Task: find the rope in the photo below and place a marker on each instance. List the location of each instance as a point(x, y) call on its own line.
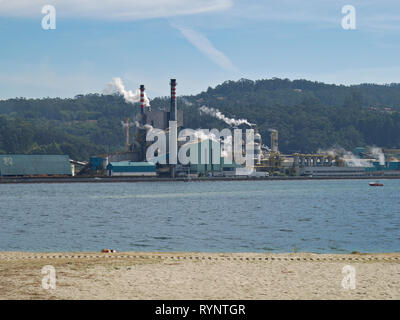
point(200, 257)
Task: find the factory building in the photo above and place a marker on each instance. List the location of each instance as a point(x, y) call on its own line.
point(35, 165)
point(208, 161)
point(164, 120)
point(332, 171)
point(98, 163)
point(389, 168)
point(136, 153)
point(313, 160)
point(160, 119)
point(171, 121)
point(268, 161)
point(130, 168)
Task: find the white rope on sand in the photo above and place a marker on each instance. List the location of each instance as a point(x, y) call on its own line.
point(201, 257)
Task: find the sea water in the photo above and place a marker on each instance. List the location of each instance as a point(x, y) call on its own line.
point(326, 216)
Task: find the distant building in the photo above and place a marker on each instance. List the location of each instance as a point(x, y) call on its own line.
point(332, 171)
point(209, 161)
point(35, 165)
point(388, 166)
point(160, 119)
point(130, 168)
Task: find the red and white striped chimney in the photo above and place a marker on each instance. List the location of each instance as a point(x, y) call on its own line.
point(142, 99)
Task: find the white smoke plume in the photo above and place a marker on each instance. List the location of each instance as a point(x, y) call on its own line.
point(378, 154)
point(117, 86)
point(217, 114)
point(352, 161)
point(204, 135)
point(348, 157)
point(200, 135)
point(146, 126)
point(227, 147)
point(338, 151)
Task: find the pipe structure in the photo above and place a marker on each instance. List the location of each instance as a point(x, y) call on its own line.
point(127, 127)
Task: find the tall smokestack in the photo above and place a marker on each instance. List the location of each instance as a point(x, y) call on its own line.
point(142, 100)
point(174, 108)
point(274, 140)
point(173, 130)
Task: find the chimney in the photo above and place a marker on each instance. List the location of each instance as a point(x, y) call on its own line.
point(142, 101)
point(174, 108)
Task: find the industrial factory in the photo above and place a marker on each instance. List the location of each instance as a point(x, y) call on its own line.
point(210, 154)
point(268, 161)
point(206, 149)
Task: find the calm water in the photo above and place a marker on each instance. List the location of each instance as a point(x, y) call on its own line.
point(257, 216)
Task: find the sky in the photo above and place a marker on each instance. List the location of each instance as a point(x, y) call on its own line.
point(201, 43)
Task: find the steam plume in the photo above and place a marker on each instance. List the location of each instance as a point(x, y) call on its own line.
point(348, 157)
point(217, 114)
point(378, 154)
point(117, 86)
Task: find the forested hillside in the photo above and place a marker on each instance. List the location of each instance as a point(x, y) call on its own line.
point(308, 115)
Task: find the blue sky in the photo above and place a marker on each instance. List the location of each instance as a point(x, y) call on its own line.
point(200, 42)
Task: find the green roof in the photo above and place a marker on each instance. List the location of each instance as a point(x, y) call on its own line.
point(24, 165)
point(131, 164)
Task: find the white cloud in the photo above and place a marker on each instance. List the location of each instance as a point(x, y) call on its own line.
point(371, 14)
point(116, 9)
point(206, 47)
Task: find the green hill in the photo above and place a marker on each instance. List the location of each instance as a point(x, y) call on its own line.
point(309, 116)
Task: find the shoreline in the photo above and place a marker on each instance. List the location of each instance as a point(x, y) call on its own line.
point(193, 275)
point(31, 180)
point(150, 254)
point(187, 254)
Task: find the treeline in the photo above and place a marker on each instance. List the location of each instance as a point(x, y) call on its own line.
point(80, 127)
point(26, 137)
point(309, 116)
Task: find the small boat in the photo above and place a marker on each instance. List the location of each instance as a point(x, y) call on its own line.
point(375, 184)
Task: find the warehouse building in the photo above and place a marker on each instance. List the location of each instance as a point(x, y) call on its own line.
point(332, 171)
point(35, 165)
point(209, 161)
point(390, 168)
point(130, 168)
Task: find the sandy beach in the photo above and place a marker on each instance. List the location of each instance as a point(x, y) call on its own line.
point(199, 276)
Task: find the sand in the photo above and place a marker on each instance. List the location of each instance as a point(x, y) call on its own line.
point(199, 276)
